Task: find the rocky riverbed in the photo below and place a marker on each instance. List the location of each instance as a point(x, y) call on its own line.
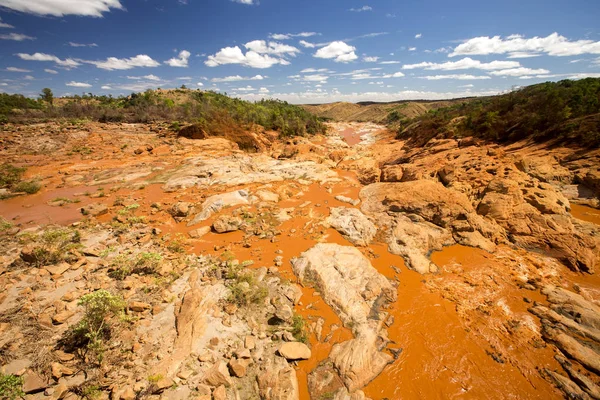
point(346, 266)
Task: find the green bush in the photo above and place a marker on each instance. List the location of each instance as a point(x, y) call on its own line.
point(102, 310)
point(11, 387)
point(29, 187)
point(55, 244)
point(10, 175)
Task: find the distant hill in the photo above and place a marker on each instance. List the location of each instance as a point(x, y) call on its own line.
point(567, 111)
point(375, 112)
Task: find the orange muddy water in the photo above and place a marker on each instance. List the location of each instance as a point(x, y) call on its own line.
point(585, 213)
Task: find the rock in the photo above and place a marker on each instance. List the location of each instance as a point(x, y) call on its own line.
point(138, 306)
point(353, 225)
point(294, 351)
point(58, 370)
point(348, 200)
point(237, 368)
point(33, 383)
point(277, 380)
point(284, 313)
point(57, 269)
point(29, 254)
point(62, 317)
point(180, 210)
point(250, 342)
point(94, 209)
point(139, 151)
point(127, 394)
point(161, 385)
point(216, 203)
point(220, 393)
point(268, 196)
point(392, 173)
point(355, 290)
point(218, 375)
point(60, 391)
point(16, 367)
point(198, 233)
point(226, 223)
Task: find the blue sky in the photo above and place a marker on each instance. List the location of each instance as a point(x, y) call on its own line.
point(302, 51)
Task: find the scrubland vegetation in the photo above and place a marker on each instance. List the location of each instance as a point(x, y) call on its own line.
point(210, 110)
point(566, 111)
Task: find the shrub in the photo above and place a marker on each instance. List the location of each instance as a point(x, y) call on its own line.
point(11, 387)
point(29, 187)
point(101, 310)
point(54, 245)
point(244, 290)
point(299, 328)
point(10, 175)
point(144, 263)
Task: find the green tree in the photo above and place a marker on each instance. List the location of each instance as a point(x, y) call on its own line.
point(47, 95)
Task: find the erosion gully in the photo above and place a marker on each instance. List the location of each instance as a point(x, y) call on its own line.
point(440, 358)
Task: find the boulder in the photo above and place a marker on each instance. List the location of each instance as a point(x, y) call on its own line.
point(218, 375)
point(294, 351)
point(216, 203)
point(277, 380)
point(227, 223)
point(352, 224)
point(94, 209)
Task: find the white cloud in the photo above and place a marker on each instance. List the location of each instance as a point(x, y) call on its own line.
point(370, 59)
point(237, 78)
point(553, 45)
point(184, 78)
point(465, 63)
point(19, 37)
point(114, 63)
point(67, 63)
point(106, 87)
point(315, 78)
point(363, 8)
point(394, 75)
point(247, 2)
point(73, 44)
point(390, 15)
point(79, 84)
point(418, 36)
point(234, 55)
point(338, 51)
point(412, 48)
point(311, 70)
point(15, 69)
point(519, 72)
point(263, 90)
point(180, 61)
point(520, 54)
point(200, 84)
point(306, 44)
point(286, 36)
point(470, 85)
point(51, 71)
point(148, 77)
point(5, 25)
point(59, 8)
point(245, 89)
point(460, 77)
point(389, 62)
point(28, 77)
point(584, 75)
point(274, 48)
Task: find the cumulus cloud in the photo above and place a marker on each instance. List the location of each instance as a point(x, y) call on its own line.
point(519, 72)
point(5, 25)
point(106, 87)
point(263, 90)
point(60, 8)
point(67, 63)
point(274, 48)
point(18, 37)
point(465, 63)
point(338, 51)
point(73, 44)
point(361, 9)
point(418, 36)
point(370, 59)
point(51, 71)
point(180, 61)
point(412, 48)
point(79, 84)
point(553, 45)
point(114, 63)
point(460, 77)
point(237, 78)
point(286, 36)
point(258, 55)
point(200, 84)
point(15, 69)
point(148, 77)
